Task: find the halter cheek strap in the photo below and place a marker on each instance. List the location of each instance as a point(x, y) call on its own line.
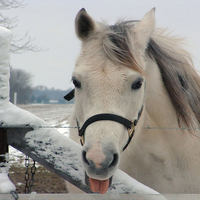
point(69, 96)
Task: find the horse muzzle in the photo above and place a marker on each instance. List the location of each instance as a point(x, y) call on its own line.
point(99, 168)
point(99, 165)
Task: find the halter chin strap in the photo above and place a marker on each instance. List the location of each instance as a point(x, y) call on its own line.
point(130, 125)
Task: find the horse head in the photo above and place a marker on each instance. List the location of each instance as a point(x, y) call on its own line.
point(109, 79)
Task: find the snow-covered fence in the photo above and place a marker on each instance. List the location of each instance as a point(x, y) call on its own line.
point(27, 133)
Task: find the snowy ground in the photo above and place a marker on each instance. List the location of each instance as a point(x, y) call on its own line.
point(56, 115)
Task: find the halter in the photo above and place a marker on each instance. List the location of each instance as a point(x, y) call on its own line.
point(130, 125)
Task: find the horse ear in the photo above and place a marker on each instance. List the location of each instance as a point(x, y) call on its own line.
point(84, 24)
point(145, 28)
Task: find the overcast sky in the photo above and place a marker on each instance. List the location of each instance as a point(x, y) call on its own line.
point(51, 23)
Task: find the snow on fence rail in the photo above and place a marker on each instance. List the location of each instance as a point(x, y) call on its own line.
point(46, 145)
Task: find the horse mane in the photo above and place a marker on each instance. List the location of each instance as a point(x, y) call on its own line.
point(179, 75)
point(176, 67)
point(118, 45)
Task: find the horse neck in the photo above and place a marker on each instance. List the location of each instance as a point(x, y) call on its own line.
point(158, 129)
point(159, 107)
point(161, 116)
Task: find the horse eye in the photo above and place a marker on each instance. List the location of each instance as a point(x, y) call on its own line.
point(137, 85)
point(76, 83)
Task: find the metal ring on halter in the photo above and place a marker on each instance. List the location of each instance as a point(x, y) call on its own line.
point(131, 130)
point(82, 140)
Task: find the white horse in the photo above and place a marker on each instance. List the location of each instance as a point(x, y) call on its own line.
point(132, 79)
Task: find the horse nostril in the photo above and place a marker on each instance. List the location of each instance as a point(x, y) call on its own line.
point(84, 158)
point(110, 162)
point(114, 161)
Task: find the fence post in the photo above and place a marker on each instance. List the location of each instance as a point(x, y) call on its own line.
point(15, 98)
point(3, 146)
point(5, 36)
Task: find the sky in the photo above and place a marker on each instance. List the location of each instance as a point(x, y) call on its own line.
point(51, 24)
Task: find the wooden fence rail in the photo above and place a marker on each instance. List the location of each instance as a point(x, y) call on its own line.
point(63, 156)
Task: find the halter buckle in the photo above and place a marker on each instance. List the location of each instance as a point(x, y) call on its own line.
point(131, 130)
point(82, 140)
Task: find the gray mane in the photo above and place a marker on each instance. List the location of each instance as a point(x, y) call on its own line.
point(181, 80)
point(117, 44)
point(175, 64)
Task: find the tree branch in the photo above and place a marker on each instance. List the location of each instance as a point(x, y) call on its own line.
point(23, 44)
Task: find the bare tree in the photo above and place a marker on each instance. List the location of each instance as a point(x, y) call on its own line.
point(17, 45)
point(21, 83)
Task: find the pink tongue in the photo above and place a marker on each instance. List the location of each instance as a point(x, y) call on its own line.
point(99, 186)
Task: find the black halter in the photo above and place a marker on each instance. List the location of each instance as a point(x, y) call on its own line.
point(130, 125)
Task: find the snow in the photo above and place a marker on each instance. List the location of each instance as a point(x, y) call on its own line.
point(57, 149)
point(5, 36)
point(64, 153)
point(133, 185)
point(6, 185)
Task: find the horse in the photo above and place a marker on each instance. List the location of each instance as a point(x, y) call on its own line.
point(137, 105)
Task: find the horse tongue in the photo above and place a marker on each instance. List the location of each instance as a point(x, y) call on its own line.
point(99, 186)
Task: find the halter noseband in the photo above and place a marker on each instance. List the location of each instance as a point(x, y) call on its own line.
point(130, 125)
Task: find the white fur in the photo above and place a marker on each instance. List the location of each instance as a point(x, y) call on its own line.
point(145, 28)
